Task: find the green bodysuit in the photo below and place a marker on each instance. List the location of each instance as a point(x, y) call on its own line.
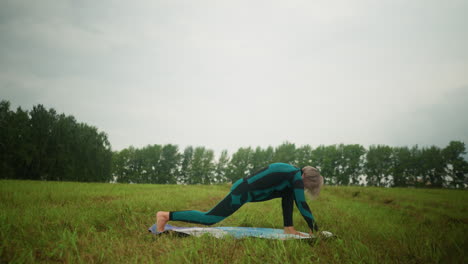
point(278, 180)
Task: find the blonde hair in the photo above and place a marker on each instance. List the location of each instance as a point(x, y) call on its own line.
point(313, 181)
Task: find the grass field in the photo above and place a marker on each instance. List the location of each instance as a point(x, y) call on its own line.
point(107, 223)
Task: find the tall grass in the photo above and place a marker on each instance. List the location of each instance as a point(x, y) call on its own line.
point(107, 223)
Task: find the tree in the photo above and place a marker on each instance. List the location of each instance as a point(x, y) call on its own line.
point(151, 170)
point(44, 145)
point(6, 139)
point(42, 122)
point(379, 165)
point(169, 163)
point(240, 165)
point(285, 153)
point(15, 142)
point(202, 166)
point(304, 156)
point(186, 167)
point(457, 167)
point(433, 167)
point(123, 168)
point(208, 167)
point(350, 164)
point(221, 167)
point(133, 166)
point(118, 167)
point(401, 163)
point(327, 160)
point(413, 167)
point(197, 166)
point(260, 158)
point(41, 144)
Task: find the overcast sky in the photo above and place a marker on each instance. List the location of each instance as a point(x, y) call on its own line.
point(230, 74)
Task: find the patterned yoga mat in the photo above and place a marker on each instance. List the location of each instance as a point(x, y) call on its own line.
point(236, 232)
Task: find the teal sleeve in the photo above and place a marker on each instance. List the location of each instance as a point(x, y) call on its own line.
point(301, 203)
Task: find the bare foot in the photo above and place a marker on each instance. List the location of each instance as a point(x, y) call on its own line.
point(161, 220)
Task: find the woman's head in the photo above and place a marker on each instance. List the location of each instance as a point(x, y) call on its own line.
point(313, 181)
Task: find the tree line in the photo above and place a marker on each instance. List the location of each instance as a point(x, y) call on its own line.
point(379, 165)
point(43, 145)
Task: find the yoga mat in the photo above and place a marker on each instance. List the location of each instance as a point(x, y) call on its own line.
point(236, 232)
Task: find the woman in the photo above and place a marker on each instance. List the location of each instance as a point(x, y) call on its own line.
point(275, 181)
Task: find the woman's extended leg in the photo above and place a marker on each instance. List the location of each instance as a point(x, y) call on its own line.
point(223, 209)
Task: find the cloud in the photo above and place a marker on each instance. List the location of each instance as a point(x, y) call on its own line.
point(436, 123)
point(226, 74)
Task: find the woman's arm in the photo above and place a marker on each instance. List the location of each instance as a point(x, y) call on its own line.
point(287, 203)
point(302, 205)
